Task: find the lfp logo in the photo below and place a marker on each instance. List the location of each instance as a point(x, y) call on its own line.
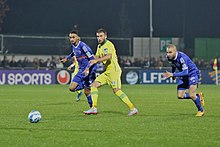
point(63, 77)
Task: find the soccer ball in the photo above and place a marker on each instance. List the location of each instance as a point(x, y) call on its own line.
point(34, 116)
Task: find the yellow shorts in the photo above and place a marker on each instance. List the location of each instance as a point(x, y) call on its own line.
point(112, 79)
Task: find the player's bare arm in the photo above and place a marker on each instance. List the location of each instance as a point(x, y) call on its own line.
point(167, 74)
point(100, 59)
point(93, 61)
point(86, 71)
point(63, 60)
point(71, 66)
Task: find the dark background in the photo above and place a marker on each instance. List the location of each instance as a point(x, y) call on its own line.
point(122, 18)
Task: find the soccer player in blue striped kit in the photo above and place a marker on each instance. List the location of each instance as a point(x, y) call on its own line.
point(188, 77)
point(86, 74)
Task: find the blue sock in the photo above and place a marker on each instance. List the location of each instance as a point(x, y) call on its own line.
point(198, 103)
point(186, 96)
point(89, 98)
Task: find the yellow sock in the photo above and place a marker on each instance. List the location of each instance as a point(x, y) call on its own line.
point(78, 91)
point(94, 94)
point(125, 99)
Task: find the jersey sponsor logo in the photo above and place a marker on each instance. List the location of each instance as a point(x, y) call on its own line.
point(184, 66)
point(105, 50)
point(113, 82)
point(85, 49)
point(78, 52)
point(63, 77)
point(89, 54)
point(182, 60)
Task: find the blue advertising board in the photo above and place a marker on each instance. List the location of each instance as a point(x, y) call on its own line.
point(156, 77)
point(27, 77)
point(129, 76)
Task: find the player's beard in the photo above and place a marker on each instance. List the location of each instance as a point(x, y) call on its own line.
point(101, 41)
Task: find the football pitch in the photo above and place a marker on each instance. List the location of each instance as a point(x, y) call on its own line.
point(163, 120)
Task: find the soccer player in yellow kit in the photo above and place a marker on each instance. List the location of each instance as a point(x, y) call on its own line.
point(106, 53)
point(76, 69)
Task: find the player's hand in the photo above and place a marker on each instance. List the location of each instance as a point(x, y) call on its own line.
point(92, 62)
point(69, 68)
point(86, 71)
point(167, 74)
point(63, 60)
point(174, 78)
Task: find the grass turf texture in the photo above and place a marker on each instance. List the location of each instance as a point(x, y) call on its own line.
point(163, 120)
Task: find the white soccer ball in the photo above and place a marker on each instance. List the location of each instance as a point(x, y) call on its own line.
point(34, 116)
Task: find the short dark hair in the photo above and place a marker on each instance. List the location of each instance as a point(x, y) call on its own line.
point(101, 30)
point(74, 32)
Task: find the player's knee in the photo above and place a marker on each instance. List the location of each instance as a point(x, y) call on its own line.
point(192, 95)
point(95, 84)
point(72, 89)
point(180, 96)
point(87, 92)
point(115, 90)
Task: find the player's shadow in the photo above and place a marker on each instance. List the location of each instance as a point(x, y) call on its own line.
point(116, 113)
point(55, 104)
point(113, 112)
point(163, 115)
point(44, 129)
point(105, 112)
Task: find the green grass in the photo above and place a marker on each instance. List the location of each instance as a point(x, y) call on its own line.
point(163, 120)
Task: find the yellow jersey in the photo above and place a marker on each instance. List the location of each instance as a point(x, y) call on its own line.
point(111, 65)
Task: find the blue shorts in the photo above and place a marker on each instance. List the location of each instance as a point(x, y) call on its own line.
point(186, 81)
point(84, 81)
